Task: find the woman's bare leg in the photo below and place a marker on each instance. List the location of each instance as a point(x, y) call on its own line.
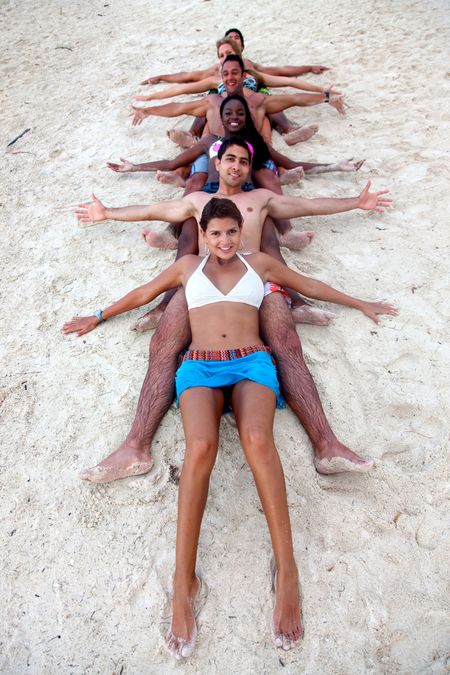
point(254, 406)
point(201, 409)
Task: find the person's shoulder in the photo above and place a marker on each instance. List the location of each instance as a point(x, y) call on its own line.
point(262, 194)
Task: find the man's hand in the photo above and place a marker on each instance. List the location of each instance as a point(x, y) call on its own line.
point(350, 165)
point(337, 102)
point(316, 69)
point(138, 114)
point(373, 309)
point(151, 80)
point(373, 201)
point(125, 167)
point(91, 213)
point(80, 325)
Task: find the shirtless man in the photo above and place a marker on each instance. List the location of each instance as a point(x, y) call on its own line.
point(133, 457)
point(260, 105)
point(226, 46)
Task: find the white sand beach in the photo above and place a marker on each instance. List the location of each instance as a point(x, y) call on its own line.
point(86, 569)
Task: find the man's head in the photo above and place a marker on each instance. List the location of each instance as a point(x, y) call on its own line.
point(237, 36)
point(221, 225)
point(234, 161)
point(233, 74)
point(226, 46)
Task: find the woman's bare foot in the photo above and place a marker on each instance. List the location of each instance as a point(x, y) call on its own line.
point(292, 176)
point(182, 138)
point(150, 320)
point(170, 178)
point(295, 240)
point(182, 634)
point(302, 134)
point(163, 239)
point(124, 462)
point(287, 627)
point(312, 315)
point(337, 458)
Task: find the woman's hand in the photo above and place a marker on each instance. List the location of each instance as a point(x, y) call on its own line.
point(149, 97)
point(80, 325)
point(373, 309)
point(350, 165)
point(373, 201)
point(125, 167)
point(337, 102)
point(91, 213)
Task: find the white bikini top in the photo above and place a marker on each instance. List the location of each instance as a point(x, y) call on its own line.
point(201, 291)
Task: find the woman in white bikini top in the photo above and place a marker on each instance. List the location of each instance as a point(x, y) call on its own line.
point(227, 360)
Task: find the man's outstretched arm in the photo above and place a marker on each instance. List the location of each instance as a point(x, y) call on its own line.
point(183, 76)
point(278, 103)
point(285, 206)
point(287, 71)
point(177, 211)
point(196, 108)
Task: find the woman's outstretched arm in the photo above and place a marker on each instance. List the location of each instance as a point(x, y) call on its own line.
point(184, 159)
point(312, 288)
point(172, 277)
point(183, 76)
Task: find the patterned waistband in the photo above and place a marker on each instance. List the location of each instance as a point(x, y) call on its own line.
point(223, 354)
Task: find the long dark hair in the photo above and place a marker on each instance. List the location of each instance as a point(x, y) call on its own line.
point(250, 133)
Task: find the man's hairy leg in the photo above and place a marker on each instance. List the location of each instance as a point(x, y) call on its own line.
point(278, 330)
point(134, 457)
point(187, 243)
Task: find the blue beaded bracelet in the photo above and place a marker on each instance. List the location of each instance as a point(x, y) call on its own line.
point(99, 314)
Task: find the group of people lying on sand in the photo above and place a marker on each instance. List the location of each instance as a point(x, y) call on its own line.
point(229, 310)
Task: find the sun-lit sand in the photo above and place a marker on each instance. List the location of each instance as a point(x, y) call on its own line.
point(86, 569)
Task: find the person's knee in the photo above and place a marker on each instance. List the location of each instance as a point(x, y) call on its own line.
point(200, 454)
point(258, 444)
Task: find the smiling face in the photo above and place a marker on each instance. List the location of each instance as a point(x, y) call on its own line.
point(234, 166)
point(222, 237)
point(224, 50)
point(233, 117)
point(232, 77)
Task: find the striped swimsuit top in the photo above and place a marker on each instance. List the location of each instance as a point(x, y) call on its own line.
point(201, 291)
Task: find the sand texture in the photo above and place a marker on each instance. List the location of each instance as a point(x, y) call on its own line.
point(85, 570)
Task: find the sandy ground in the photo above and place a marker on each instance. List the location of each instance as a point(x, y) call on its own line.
point(86, 570)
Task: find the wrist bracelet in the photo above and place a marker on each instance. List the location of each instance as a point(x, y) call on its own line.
point(99, 314)
point(327, 96)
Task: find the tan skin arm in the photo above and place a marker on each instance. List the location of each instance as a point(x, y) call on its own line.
point(174, 211)
point(196, 108)
point(278, 103)
point(183, 76)
point(189, 88)
point(172, 277)
point(285, 206)
point(317, 290)
point(278, 81)
point(287, 71)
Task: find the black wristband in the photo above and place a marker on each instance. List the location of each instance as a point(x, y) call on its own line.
point(327, 96)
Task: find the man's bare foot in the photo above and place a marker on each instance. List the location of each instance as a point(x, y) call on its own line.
point(170, 178)
point(337, 458)
point(150, 320)
point(124, 462)
point(313, 315)
point(295, 240)
point(287, 627)
point(163, 239)
point(180, 639)
point(302, 134)
point(292, 176)
point(182, 138)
